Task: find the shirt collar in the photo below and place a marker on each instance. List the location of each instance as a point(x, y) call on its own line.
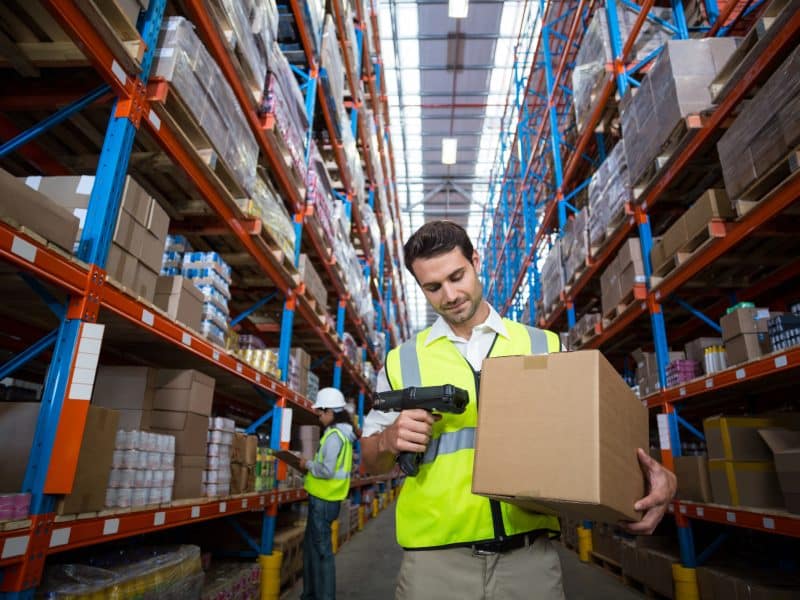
point(440, 328)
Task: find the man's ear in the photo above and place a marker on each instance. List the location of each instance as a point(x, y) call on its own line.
point(476, 261)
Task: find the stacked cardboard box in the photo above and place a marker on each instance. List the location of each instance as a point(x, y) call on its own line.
point(244, 454)
point(182, 404)
point(37, 212)
point(694, 482)
point(745, 333)
point(552, 277)
point(128, 390)
point(647, 370)
point(740, 462)
point(584, 325)
point(575, 244)
point(140, 233)
point(618, 280)
point(606, 543)
point(675, 87)
point(747, 582)
point(609, 191)
point(314, 284)
point(685, 234)
point(218, 473)
point(785, 447)
point(695, 350)
point(180, 299)
point(764, 132)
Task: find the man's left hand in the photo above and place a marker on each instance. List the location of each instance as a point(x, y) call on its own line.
point(661, 485)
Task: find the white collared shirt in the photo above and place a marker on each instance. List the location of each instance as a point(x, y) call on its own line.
point(474, 350)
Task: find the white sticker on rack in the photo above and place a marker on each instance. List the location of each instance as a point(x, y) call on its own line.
point(159, 518)
point(286, 425)
point(709, 383)
point(119, 72)
point(80, 391)
point(215, 354)
point(741, 373)
point(244, 503)
point(33, 182)
point(768, 523)
point(272, 385)
point(261, 501)
point(239, 367)
point(700, 511)
point(60, 537)
point(81, 214)
point(682, 391)
point(663, 431)
point(195, 512)
point(258, 377)
point(110, 526)
point(683, 509)
point(731, 517)
point(153, 118)
point(85, 376)
point(223, 506)
point(186, 339)
point(85, 185)
point(23, 249)
point(88, 345)
point(15, 546)
point(280, 498)
point(781, 361)
point(148, 317)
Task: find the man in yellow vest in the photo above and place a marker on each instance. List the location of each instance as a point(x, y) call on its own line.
point(327, 482)
point(458, 545)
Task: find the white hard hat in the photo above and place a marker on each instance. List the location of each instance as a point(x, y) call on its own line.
point(329, 398)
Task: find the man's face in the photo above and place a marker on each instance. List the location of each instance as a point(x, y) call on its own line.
point(451, 285)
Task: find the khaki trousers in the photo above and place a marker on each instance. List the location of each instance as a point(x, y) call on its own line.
point(532, 572)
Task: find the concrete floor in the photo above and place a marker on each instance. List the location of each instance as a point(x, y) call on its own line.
point(367, 565)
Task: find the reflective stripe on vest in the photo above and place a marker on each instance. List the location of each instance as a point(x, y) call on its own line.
point(437, 507)
point(338, 486)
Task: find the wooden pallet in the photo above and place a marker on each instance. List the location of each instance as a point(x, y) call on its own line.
point(767, 182)
point(636, 294)
point(770, 24)
point(716, 228)
point(610, 566)
point(642, 587)
point(588, 336)
point(680, 134)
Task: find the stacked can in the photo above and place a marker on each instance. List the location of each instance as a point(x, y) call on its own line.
point(715, 359)
point(217, 476)
point(143, 470)
point(265, 466)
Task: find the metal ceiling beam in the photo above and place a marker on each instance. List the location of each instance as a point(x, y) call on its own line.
point(444, 68)
point(436, 37)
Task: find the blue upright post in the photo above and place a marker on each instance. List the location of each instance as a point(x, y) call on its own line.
point(340, 319)
point(679, 16)
point(616, 45)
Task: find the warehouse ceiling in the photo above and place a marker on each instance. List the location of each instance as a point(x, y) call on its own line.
point(446, 78)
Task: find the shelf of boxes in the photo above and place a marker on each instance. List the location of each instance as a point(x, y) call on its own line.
point(778, 522)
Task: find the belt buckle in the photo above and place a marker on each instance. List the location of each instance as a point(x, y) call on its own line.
point(481, 552)
point(486, 549)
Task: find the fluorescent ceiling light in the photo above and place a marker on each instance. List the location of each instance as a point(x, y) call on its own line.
point(458, 9)
point(449, 147)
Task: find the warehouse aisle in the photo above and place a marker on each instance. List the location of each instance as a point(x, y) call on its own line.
point(367, 565)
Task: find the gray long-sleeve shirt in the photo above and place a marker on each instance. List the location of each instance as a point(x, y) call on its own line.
point(325, 468)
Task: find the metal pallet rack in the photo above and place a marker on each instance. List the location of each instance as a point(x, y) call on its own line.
point(82, 283)
point(543, 163)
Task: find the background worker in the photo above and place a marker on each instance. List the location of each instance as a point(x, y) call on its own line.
point(327, 482)
point(459, 545)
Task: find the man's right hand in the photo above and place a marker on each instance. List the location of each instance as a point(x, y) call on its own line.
point(410, 432)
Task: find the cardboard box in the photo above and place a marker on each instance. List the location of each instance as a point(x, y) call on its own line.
point(121, 266)
point(244, 449)
point(313, 281)
point(94, 463)
point(630, 253)
point(694, 482)
point(751, 484)
point(37, 212)
point(136, 201)
point(695, 348)
point(157, 221)
point(190, 430)
point(629, 276)
point(785, 446)
point(144, 285)
point(180, 299)
point(744, 320)
point(241, 476)
point(123, 230)
point(737, 438)
point(138, 236)
point(747, 347)
point(130, 419)
point(184, 390)
point(124, 387)
point(713, 204)
point(674, 238)
point(17, 427)
point(188, 476)
point(656, 566)
point(522, 455)
point(152, 252)
point(657, 255)
point(747, 583)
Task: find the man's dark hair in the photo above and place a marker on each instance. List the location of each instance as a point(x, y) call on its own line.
point(435, 238)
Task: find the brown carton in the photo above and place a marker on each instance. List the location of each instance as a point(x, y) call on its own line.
point(130, 419)
point(184, 390)
point(713, 204)
point(180, 299)
point(744, 320)
point(244, 449)
point(190, 430)
point(674, 238)
point(630, 253)
point(145, 283)
point(750, 484)
point(17, 427)
point(694, 482)
point(695, 348)
point(121, 266)
point(737, 438)
point(152, 252)
point(747, 583)
point(37, 212)
point(188, 476)
point(522, 455)
point(747, 347)
point(124, 387)
point(312, 280)
point(785, 446)
point(657, 569)
point(157, 221)
point(94, 463)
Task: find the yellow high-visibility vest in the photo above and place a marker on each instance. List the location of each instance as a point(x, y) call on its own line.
point(337, 487)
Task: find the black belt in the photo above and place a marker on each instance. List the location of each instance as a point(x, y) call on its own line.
point(508, 544)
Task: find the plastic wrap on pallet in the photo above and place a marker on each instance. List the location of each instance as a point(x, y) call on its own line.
point(184, 61)
point(595, 53)
point(141, 571)
point(552, 277)
point(315, 13)
point(351, 349)
point(243, 40)
point(574, 243)
point(266, 204)
point(677, 86)
point(228, 580)
point(609, 191)
point(370, 221)
point(378, 339)
point(582, 326)
point(264, 25)
point(331, 62)
point(765, 131)
point(319, 192)
point(350, 148)
point(312, 281)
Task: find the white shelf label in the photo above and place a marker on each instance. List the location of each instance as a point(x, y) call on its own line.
point(709, 382)
point(769, 523)
point(23, 249)
point(216, 355)
point(239, 367)
point(110, 526)
point(701, 512)
point(153, 118)
point(731, 517)
point(159, 518)
point(286, 425)
point(741, 373)
point(258, 377)
point(244, 503)
point(195, 512)
point(148, 317)
point(781, 361)
point(682, 391)
point(186, 339)
point(223, 506)
point(684, 510)
point(119, 72)
point(15, 546)
point(261, 500)
point(60, 537)
point(663, 431)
